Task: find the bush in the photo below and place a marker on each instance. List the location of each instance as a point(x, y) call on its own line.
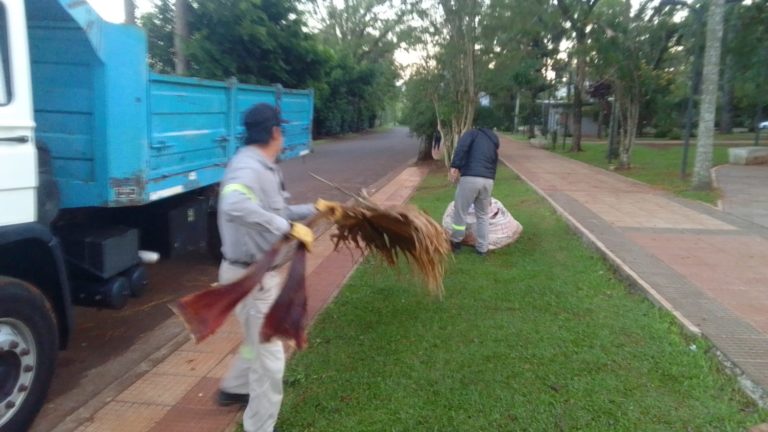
point(675, 134)
point(662, 132)
point(489, 118)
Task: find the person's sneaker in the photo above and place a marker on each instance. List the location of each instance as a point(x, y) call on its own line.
point(227, 399)
point(455, 246)
point(482, 254)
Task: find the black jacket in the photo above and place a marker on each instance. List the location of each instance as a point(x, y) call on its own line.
point(477, 154)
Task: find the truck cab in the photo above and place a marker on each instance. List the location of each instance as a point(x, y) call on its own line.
point(99, 157)
point(34, 321)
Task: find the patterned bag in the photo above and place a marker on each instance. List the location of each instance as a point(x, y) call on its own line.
point(503, 229)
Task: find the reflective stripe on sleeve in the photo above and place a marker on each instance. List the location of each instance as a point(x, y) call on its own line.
point(459, 227)
point(247, 353)
point(243, 189)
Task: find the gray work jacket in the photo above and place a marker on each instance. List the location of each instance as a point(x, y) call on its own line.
point(252, 212)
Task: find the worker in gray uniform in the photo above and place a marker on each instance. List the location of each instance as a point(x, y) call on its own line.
point(474, 166)
point(253, 216)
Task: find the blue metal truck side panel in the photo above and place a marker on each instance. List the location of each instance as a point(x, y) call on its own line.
point(122, 136)
point(297, 108)
point(63, 74)
point(196, 126)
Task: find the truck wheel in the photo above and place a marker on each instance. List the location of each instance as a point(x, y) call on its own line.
point(28, 344)
point(137, 279)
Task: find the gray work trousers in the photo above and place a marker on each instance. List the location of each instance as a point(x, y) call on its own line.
point(257, 369)
point(477, 191)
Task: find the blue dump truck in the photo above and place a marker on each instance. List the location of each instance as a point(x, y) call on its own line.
point(100, 160)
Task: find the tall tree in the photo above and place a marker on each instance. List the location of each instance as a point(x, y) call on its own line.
point(630, 51)
point(576, 14)
point(130, 12)
point(419, 109)
point(726, 102)
point(159, 23)
point(702, 179)
point(181, 36)
point(519, 44)
point(457, 60)
point(750, 63)
point(363, 35)
point(366, 29)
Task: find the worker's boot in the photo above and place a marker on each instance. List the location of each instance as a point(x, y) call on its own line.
point(227, 399)
point(455, 246)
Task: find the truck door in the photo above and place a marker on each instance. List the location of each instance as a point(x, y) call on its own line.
point(18, 157)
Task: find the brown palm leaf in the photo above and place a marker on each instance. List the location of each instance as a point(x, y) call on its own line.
point(399, 231)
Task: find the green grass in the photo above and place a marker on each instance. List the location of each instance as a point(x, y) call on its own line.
point(539, 336)
point(657, 166)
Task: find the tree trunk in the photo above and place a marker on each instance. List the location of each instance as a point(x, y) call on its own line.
point(568, 114)
point(181, 36)
point(758, 118)
point(601, 118)
point(446, 136)
point(581, 72)
point(761, 87)
point(425, 151)
point(702, 179)
point(130, 12)
point(726, 104)
point(629, 118)
point(613, 131)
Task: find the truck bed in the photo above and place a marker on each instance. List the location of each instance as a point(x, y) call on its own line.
point(121, 135)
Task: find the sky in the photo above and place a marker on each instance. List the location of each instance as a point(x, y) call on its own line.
point(114, 11)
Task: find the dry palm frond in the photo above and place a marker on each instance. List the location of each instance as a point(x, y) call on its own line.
point(402, 230)
point(394, 232)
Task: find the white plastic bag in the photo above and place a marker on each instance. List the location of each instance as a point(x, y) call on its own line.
point(503, 229)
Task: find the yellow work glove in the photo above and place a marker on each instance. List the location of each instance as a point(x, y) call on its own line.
point(303, 234)
point(331, 209)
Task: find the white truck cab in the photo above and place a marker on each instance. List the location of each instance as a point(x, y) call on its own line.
point(18, 156)
point(33, 285)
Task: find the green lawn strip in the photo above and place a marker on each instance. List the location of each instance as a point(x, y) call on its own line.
point(538, 336)
point(657, 166)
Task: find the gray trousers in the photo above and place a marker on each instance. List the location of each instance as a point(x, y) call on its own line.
point(477, 191)
point(257, 369)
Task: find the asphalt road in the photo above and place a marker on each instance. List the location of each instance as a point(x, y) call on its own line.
point(107, 344)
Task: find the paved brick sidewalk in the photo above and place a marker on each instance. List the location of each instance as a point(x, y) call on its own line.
point(707, 267)
point(178, 394)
